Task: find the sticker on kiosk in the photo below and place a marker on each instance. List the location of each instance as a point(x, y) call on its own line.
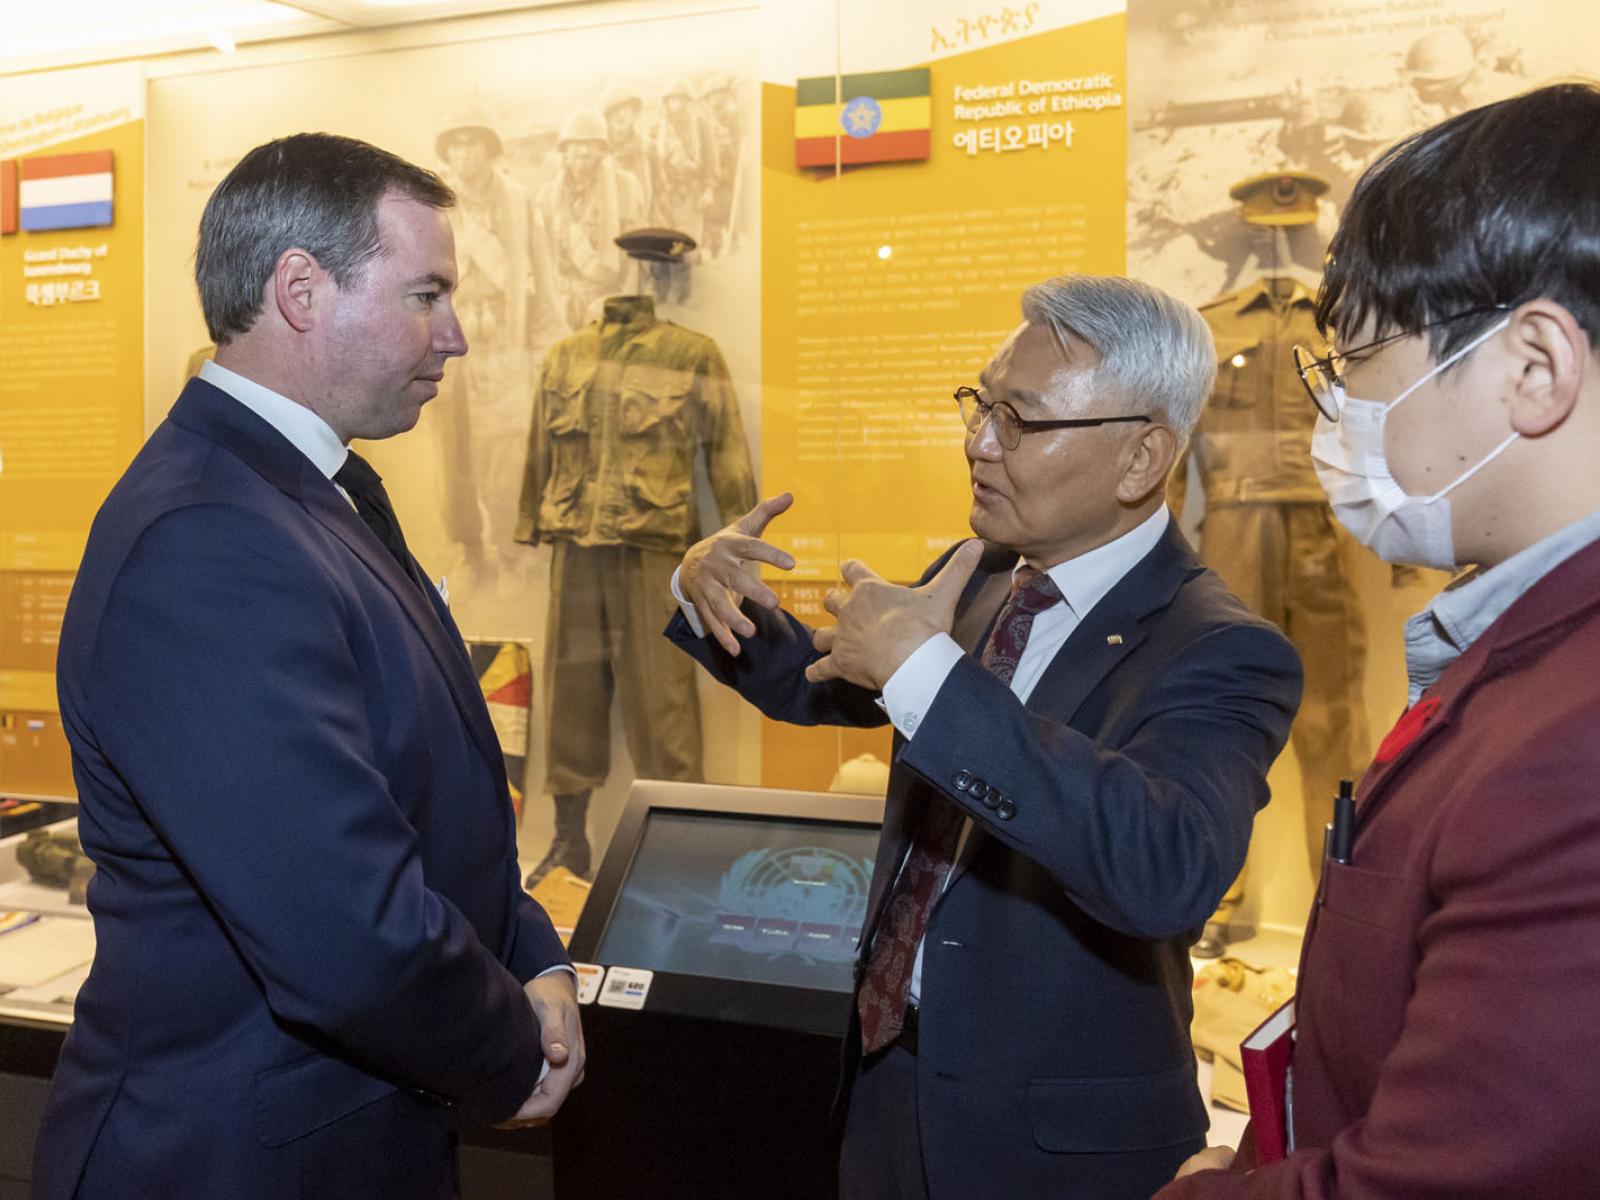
point(626, 987)
point(589, 978)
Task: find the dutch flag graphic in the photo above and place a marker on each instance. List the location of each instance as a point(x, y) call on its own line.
point(66, 191)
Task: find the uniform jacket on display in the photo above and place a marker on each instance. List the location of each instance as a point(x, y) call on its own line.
point(311, 934)
point(1109, 814)
point(1253, 442)
point(1451, 970)
point(622, 406)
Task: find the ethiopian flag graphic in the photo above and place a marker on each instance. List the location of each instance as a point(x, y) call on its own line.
point(884, 117)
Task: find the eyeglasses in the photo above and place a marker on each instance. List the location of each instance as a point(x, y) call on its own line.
point(1324, 377)
point(1009, 427)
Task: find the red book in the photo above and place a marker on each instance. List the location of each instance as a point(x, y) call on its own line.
point(1264, 1056)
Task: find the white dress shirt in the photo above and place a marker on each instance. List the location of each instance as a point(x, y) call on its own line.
point(309, 433)
point(1083, 582)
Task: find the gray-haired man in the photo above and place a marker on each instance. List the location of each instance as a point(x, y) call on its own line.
point(1084, 722)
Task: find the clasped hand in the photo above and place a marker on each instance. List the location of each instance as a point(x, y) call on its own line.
point(554, 999)
point(879, 625)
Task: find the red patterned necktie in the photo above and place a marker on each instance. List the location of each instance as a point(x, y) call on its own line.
point(886, 983)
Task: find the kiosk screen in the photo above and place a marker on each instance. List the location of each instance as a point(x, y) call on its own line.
point(734, 896)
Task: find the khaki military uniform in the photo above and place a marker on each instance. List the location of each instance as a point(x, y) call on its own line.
point(1268, 530)
point(622, 407)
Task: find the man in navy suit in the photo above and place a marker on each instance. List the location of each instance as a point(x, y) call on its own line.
point(314, 961)
point(1084, 720)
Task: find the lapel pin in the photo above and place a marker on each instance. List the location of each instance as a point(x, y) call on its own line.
point(1114, 640)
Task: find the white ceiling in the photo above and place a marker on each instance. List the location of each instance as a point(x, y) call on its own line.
point(57, 33)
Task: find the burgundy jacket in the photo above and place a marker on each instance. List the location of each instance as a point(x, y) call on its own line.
point(1449, 1010)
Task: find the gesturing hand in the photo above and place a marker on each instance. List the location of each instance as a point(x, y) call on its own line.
point(881, 623)
point(714, 573)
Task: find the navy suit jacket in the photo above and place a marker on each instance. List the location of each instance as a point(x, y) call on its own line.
point(1110, 814)
point(311, 934)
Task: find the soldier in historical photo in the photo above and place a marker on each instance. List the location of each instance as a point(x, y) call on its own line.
point(728, 195)
point(585, 207)
point(624, 112)
point(505, 281)
point(686, 172)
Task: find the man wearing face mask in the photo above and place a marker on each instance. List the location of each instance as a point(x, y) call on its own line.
point(1451, 967)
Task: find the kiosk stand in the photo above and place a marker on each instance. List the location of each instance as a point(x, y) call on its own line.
point(718, 947)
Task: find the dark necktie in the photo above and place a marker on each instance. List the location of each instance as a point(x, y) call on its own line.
point(886, 983)
point(365, 489)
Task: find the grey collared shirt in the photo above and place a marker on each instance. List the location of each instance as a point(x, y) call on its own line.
point(1458, 616)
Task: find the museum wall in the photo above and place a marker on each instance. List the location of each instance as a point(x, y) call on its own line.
point(841, 288)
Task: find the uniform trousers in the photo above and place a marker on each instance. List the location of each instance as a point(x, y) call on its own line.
point(608, 606)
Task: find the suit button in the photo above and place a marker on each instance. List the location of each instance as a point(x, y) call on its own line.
point(963, 780)
point(991, 797)
point(1005, 810)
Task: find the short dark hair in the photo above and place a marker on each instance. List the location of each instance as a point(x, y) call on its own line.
point(1489, 209)
point(316, 191)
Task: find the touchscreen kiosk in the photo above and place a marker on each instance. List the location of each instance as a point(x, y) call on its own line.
point(746, 906)
point(746, 903)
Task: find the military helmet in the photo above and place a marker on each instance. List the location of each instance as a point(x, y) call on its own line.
point(678, 87)
point(583, 125)
point(468, 116)
point(1440, 56)
point(617, 95)
point(1376, 117)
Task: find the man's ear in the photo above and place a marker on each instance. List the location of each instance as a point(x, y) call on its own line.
point(1549, 358)
point(1150, 457)
point(292, 291)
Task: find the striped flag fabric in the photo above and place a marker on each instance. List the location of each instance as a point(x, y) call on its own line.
point(66, 191)
point(874, 118)
point(505, 675)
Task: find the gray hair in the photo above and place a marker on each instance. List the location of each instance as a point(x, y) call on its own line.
point(317, 192)
point(1156, 353)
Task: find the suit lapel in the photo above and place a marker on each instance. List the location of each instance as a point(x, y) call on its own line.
point(444, 643)
point(1113, 628)
point(213, 414)
point(1111, 631)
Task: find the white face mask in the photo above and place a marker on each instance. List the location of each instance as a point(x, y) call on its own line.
point(1350, 464)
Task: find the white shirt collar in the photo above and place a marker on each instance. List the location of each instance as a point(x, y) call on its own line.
point(1085, 580)
point(306, 431)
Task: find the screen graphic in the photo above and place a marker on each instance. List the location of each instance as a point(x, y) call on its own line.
point(749, 898)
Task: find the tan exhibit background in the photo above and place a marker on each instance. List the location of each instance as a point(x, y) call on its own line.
point(1210, 91)
point(1221, 90)
point(522, 76)
point(71, 341)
